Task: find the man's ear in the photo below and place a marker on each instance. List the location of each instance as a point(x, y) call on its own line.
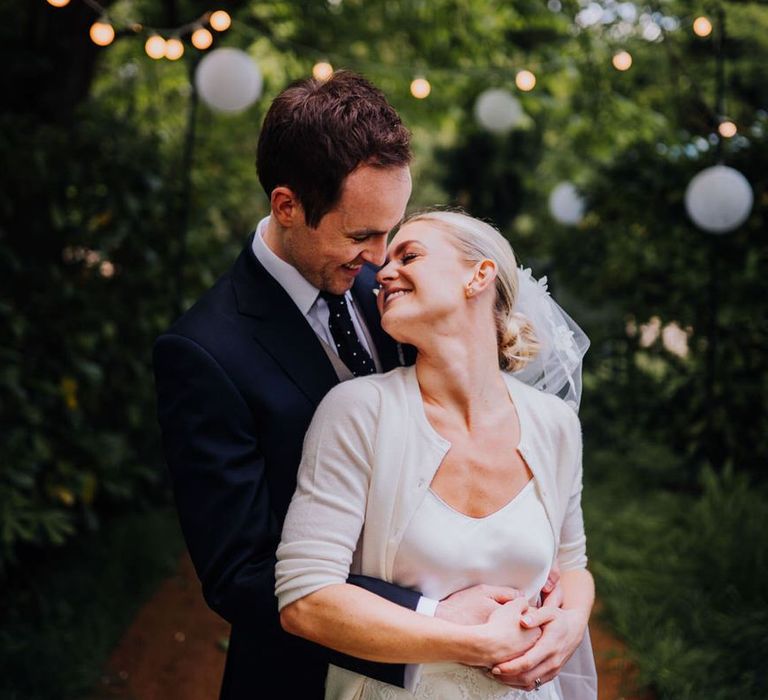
point(286, 207)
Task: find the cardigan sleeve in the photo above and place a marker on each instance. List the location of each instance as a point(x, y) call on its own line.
point(327, 512)
point(572, 553)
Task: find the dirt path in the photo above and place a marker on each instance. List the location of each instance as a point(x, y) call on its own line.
point(174, 650)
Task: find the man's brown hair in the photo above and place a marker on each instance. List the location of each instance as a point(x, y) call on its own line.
point(316, 133)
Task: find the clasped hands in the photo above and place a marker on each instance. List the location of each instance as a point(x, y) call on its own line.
point(544, 637)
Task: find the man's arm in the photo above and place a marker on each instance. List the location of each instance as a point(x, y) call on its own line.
point(219, 482)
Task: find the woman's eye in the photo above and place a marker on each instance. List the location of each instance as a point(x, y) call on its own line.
point(408, 257)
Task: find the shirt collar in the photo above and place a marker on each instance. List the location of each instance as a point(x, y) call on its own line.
point(290, 279)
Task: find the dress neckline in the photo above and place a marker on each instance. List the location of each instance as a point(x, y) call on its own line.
point(512, 501)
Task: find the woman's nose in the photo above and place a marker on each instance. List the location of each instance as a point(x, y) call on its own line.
point(387, 272)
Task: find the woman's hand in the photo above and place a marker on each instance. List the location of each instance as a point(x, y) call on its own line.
point(503, 635)
point(561, 633)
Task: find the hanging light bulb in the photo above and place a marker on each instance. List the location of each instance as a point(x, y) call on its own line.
point(155, 46)
point(525, 80)
point(102, 33)
point(220, 20)
point(622, 60)
point(727, 129)
point(420, 88)
point(322, 70)
point(202, 38)
point(174, 49)
point(58, 3)
point(702, 26)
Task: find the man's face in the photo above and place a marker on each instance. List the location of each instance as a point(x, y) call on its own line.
point(354, 232)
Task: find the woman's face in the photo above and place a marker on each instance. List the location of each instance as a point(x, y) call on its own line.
point(422, 282)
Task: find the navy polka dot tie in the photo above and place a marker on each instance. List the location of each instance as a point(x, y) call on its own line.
point(348, 345)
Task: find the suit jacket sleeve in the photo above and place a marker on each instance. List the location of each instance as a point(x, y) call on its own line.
point(219, 482)
point(218, 477)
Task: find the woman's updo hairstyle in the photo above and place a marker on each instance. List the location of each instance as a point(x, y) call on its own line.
point(478, 241)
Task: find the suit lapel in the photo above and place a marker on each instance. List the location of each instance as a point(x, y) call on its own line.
point(280, 328)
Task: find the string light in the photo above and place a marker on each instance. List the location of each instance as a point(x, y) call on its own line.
point(220, 20)
point(322, 70)
point(155, 46)
point(525, 80)
point(202, 38)
point(420, 88)
point(702, 27)
point(727, 129)
point(102, 33)
point(622, 61)
point(174, 49)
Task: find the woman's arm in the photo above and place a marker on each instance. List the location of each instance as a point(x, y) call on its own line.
point(320, 534)
point(356, 622)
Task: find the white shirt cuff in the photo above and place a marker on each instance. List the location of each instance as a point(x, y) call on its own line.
point(427, 606)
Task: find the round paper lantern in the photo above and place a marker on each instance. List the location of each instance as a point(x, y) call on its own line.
point(497, 110)
point(228, 80)
point(719, 199)
point(566, 204)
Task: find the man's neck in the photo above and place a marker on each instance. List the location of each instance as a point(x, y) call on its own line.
point(273, 239)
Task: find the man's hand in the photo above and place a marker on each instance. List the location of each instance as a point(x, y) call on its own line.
point(474, 605)
point(562, 632)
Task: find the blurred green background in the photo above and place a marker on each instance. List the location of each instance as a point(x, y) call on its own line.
point(122, 198)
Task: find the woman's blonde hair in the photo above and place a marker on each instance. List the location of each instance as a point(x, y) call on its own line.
point(478, 241)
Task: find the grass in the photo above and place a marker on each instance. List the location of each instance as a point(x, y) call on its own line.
point(683, 576)
point(60, 618)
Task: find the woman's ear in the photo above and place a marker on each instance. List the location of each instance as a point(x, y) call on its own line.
point(484, 276)
point(286, 207)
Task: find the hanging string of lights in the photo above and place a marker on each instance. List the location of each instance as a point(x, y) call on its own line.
point(160, 43)
point(167, 43)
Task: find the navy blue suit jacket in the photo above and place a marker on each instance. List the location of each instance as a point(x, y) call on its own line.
point(238, 378)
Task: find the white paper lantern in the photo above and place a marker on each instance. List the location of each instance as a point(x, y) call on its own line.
point(566, 204)
point(497, 110)
point(719, 199)
point(228, 80)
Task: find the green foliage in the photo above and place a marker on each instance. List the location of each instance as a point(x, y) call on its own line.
point(638, 249)
point(60, 618)
point(681, 576)
point(99, 249)
point(90, 290)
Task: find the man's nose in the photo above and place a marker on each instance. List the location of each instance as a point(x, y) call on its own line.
point(376, 250)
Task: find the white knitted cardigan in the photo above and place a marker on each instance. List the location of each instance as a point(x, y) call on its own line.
point(369, 458)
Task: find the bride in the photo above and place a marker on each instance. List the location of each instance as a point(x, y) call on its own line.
point(446, 474)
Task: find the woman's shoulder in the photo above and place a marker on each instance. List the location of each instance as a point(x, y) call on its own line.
point(550, 409)
point(365, 392)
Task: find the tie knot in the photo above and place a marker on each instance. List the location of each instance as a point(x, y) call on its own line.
point(333, 300)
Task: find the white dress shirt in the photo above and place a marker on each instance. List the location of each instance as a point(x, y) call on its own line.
point(306, 296)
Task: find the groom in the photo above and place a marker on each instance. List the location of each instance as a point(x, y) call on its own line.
point(240, 374)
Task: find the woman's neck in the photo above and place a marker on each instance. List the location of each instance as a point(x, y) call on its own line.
point(460, 375)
